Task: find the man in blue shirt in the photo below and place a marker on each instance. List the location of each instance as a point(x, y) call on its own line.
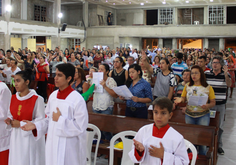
point(151, 53)
point(179, 66)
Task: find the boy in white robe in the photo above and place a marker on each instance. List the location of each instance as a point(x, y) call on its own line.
point(66, 122)
point(159, 143)
point(5, 98)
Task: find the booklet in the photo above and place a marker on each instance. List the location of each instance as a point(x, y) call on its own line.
point(97, 78)
point(197, 100)
point(123, 91)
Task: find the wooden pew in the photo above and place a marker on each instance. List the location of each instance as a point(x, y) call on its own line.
point(198, 135)
point(178, 117)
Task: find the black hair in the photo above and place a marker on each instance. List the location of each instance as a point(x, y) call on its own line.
point(137, 68)
point(60, 58)
point(121, 60)
point(220, 54)
point(163, 102)
point(202, 57)
point(68, 70)
point(107, 68)
point(179, 55)
point(25, 74)
point(185, 70)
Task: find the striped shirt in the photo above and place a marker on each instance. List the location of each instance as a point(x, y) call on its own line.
point(219, 85)
point(178, 68)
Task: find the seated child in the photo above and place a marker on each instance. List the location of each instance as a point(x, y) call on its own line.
point(159, 143)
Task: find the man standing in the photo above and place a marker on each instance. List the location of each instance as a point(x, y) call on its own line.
point(219, 79)
point(202, 63)
point(179, 66)
point(130, 61)
point(151, 53)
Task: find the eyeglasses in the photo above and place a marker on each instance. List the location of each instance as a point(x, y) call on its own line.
point(116, 62)
point(215, 62)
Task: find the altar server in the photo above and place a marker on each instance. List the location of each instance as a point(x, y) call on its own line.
point(159, 143)
point(25, 105)
point(5, 98)
point(66, 122)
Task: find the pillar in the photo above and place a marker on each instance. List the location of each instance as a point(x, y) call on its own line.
point(116, 41)
point(205, 43)
point(206, 13)
point(160, 43)
point(24, 9)
point(7, 16)
point(24, 42)
point(221, 44)
point(85, 13)
point(174, 43)
point(57, 20)
point(175, 21)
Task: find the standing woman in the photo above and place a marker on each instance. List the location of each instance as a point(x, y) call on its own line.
point(199, 115)
point(165, 79)
point(25, 105)
point(231, 66)
point(42, 69)
point(142, 94)
point(80, 84)
point(97, 60)
point(5, 98)
point(119, 74)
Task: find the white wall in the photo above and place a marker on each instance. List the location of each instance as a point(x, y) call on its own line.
point(130, 17)
point(72, 14)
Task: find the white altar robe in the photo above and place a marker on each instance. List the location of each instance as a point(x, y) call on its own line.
point(66, 138)
point(24, 150)
point(5, 99)
point(175, 152)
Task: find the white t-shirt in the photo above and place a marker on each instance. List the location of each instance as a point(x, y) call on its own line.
point(135, 55)
point(9, 73)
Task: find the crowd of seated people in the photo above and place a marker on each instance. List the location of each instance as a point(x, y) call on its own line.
point(176, 74)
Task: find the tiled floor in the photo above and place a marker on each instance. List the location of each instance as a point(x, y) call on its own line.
point(229, 137)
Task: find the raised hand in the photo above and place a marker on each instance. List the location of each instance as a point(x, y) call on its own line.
point(138, 146)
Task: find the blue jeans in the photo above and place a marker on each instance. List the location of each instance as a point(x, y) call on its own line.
point(108, 111)
point(203, 120)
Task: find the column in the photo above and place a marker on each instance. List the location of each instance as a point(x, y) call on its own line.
point(54, 40)
point(24, 9)
point(7, 16)
point(140, 43)
point(174, 43)
point(24, 41)
point(205, 43)
point(116, 41)
point(221, 44)
point(225, 14)
point(206, 12)
point(160, 43)
point(175, 21)
point(85, 13)
point(57, 20)
point(158, 17)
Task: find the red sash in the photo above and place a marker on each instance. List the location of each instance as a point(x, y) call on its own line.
point(22, 110)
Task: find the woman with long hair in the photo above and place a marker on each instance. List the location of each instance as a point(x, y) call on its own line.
point(231, 69)
point(80, 84)
point(198, 114)
point(142, 93)
point(25, 105)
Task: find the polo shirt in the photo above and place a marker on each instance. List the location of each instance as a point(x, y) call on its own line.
point(178, 68)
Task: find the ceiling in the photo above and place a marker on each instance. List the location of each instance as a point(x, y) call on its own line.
point(150, 3)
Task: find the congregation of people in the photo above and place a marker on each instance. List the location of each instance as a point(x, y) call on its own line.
point(162, 77)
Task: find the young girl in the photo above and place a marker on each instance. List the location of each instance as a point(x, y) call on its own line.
point(200, 114)
point(65, 124)
point(159, 143)
point(142, 94)
point(165, 79)
point(25, 105)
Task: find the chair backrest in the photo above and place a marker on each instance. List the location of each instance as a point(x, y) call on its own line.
point(127, 146)
point(190, 146)
point(93, 130)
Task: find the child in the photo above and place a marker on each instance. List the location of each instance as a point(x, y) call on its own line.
point(66, 122)
point(159, 143)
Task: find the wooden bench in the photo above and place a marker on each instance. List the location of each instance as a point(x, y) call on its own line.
point(198, 135)
point(178, 117)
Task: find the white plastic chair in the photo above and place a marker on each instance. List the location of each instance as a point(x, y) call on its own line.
point(127, 146)
point(190, 146)
point(90, 138)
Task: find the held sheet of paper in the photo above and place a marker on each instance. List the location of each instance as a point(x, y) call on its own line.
point(123, 91)
point(97, 78)
point(197, 100)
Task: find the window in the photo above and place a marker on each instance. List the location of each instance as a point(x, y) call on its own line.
point(191, 16)
point(0, 7)
point(216, 14)
point(166, 16)
point(40, 13)
point(73, 43)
